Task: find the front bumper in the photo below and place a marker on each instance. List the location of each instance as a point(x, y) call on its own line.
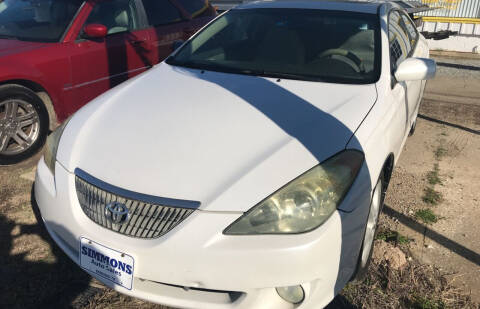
point(196, 266)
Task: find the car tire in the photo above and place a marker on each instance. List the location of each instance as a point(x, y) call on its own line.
point(24, 124)
point(412, 129)
point(365, 255)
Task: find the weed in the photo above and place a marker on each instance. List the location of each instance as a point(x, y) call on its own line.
point(392, 236)
point(403, 240)
point(427, 303)
point(431, 196)
point(440, 152)
point(426, 215)
point(433, 176)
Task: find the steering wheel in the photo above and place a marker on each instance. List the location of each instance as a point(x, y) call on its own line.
point(345, 56)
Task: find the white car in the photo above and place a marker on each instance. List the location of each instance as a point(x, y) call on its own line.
point(247, 170)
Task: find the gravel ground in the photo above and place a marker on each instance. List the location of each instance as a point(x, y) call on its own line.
point(449, 139)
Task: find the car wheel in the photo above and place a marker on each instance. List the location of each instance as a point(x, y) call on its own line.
point(412, 129)
point(365, 255)
point(23, 124)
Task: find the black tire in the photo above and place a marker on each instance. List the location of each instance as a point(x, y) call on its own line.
point(362, 268)
point(17, 92)
point(412, 129)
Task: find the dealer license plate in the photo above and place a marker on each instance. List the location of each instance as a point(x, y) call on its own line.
point(110, 264)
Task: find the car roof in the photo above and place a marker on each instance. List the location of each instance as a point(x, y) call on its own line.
point(362, 6)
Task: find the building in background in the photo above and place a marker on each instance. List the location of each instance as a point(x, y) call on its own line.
point(459, 17)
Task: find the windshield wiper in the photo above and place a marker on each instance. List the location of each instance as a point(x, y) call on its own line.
point(172, 61)
point(207, 66)
point(235, 70)
point(187, 64)
point(291, 76)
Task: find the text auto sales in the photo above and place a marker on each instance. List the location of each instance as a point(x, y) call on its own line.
point(109, 264)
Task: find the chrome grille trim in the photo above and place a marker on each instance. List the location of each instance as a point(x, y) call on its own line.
point(151, 199)
point(149, 216)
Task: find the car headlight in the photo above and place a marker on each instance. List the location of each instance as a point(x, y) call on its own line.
point(51, 146)
point(306, 202)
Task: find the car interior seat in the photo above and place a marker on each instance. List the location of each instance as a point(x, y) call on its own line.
point(362, 45)
point(121, 22)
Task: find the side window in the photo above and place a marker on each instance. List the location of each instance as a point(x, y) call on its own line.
point(410, 30)
point(161, 12)
point(194, 7)
point(400, 45)
point(117, 16)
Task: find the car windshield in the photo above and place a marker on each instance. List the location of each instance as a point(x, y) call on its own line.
point(318, 45)
point(36, 20)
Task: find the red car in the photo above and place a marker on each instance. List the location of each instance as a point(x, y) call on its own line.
point(56, 55)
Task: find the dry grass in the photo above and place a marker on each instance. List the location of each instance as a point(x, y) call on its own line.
point(416, 286)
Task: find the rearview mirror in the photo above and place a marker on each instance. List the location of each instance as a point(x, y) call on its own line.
point(416, 69)
point(95, 31)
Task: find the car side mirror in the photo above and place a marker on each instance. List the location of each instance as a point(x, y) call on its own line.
point(177, 44)
point(95, 31)
point(416, 69)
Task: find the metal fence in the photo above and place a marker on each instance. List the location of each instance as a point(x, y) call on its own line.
point(452, 8)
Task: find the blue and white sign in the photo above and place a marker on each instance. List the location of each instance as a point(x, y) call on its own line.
point(107, 263)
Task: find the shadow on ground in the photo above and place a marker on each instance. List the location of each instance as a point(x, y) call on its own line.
point(453, 125)
point(54, 282)
point(451, 245)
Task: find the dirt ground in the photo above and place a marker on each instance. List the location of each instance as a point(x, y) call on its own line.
point(437, 178)
point(448, 137)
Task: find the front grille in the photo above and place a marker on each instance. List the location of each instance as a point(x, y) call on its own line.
point(145, 219)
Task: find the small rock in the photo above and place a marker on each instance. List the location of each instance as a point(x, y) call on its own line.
point(430, 247)
point(15, 231)
point(395, 257)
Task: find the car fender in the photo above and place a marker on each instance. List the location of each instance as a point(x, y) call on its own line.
point(31, 77)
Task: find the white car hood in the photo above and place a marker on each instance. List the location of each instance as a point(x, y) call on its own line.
point(225, 140)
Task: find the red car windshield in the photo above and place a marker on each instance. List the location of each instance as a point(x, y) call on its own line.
point(36, 20)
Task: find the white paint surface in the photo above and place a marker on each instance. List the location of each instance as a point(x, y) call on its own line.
point(229, 141)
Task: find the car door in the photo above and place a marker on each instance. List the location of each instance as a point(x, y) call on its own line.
point(400, 49)
point(166, 24)
point(100, 64)
point(415, 88)
point(403, 45)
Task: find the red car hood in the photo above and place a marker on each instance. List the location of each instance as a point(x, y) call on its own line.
point(8, 47)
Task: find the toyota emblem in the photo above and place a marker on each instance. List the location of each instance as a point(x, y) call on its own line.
point(116, 212)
